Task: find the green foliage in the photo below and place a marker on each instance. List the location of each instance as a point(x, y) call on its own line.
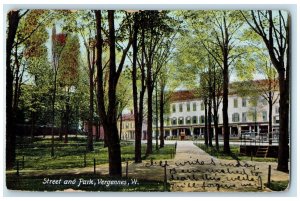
point(279, 185)
point(69, 62)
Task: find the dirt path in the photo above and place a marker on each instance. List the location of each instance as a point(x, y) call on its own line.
point(195, 170)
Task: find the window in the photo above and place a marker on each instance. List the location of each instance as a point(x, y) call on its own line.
point(174, 121)
point(194, 119)
point(180, 107)
point(235, 117)
point(276, 119)
point(277, 110)
point(174, 108)
point(235, 103)
point(264, 115)
point(244, 102)
point(188, 120)
point(168, 121)
point(202, 119)
point(180, 120)
point(244, 117)
point(188, 107)
point(194, 107)
point(202, 106)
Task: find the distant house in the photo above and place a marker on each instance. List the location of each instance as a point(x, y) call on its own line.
point(127, 127)
point(127, 130)
point(95, 127)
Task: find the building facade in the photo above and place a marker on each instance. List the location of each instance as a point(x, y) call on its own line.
point(187, 115)
point(126, 127)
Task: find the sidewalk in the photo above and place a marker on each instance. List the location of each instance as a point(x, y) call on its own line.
point(187, 150)
point(192, 168)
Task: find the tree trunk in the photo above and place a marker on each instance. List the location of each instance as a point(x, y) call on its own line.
point(97, 131)
point(156, 118)
point(210, 134)
point(32, 130)
point(17, 81)
point(225, 106)
point(53, 109)
point(62, 125)
point(67, 120)
point(149, 119)
point(284, 88)
point(270, 116)
point(90, 146)
point(13, 22)
point(283, 151)
point(216, 126)
point(205, 122)
point(121, 123)
point(137, 119)
point(114, 150)
point(161, 108)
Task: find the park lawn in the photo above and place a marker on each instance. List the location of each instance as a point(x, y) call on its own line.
point(71, 155)
point(235, 150)
point(278, 185)
point(35, 183)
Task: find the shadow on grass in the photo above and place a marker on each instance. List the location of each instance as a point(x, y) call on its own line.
point(234, 154)
point(36, 156)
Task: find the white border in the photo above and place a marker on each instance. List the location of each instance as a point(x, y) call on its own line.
point(164, 4)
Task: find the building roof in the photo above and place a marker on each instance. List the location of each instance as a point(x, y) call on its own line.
point(262, 85)
point(183, 95)
point(128, 117)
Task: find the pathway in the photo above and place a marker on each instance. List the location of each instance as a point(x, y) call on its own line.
point(195, 170)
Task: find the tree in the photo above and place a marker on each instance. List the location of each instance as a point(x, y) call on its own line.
point(198, 68)
point(158, 28)
point(166, 87)
point(124, 95)
point(13, 22)
point(108, 115)
point(16, 37)
point(35, 96)
point(86, 28)
point(274, 29)
point(58, 44)
point(220, 30)
point(138, 97)
point(268, 91)
point(68, 77)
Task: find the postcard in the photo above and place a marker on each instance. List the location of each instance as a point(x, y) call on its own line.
point(148, 100)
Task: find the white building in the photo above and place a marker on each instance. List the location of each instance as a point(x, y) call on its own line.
point(187, 115)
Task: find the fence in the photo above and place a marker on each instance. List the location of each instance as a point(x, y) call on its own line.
point(252, 138)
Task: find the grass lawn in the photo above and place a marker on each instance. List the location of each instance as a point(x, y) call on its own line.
point(35, 183)
point(278, 185)
point(37, 155)
point(235, 150)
